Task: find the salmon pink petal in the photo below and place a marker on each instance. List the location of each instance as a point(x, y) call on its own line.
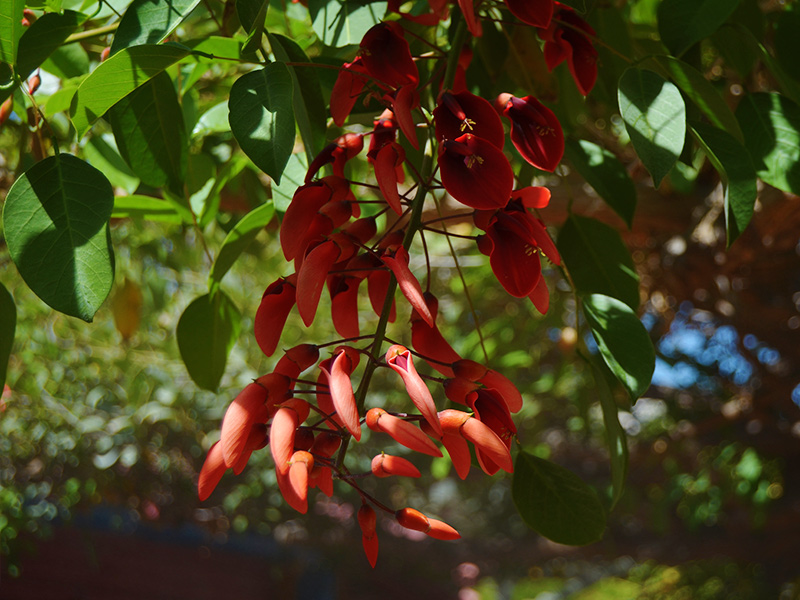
point(401, 431)
point(386, 465)
point(321, 478)
point(341, 390)
point(325, 444)
point(442, 531)
point(488, 443)
point(408, 284)
point(297, 359)
point(475, 172)
point(276, 304)
point(533, 12)
point(247, 408)
point(465, 112)
point(281, 437)
point(256, 440)
point(211, 473)
point(386, 163)
point(456, 447)
point(507, 390)
point(400, 360)
point(302, 463)
point(311, 278)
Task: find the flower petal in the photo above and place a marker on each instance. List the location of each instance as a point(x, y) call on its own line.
point(400, 360)
point(247, 408)
point(475, 172)
point(211, 473)
point(407, 283)
point(401, 431)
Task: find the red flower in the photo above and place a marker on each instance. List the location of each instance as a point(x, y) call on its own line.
point(468, 9)
point(386, 465)
point(475, 172)
point(341, 390)
point(293, 483)
point(387, 57)
point(465, 112)
point(401, 431)
point(282, 431)
point(429, 341)
point(569, 43)
point(535, 130)
point(492, 410)
point(487, 442)
point(388, 172)
point(407, 283)
point(411, 518)
point(337, 152)
point(349, 84)
point(533, 12)
point(400, 360)
point(369, 539)
point(276, 303)
point(513, 240)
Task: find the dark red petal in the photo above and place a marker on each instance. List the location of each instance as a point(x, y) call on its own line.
point(348, 86)
point(473, 24)
point(277, 302)
point(535, 132)
point(377, 286)
point(342, 393)
point(478, 118)
point(306, 202)
point(405, 100)
point(311, 278)
point(475, 172)
point(389, 157)
point(533, 12)
point(514, 259)
point(408, 284)
point(344, 307)
point(386, 55)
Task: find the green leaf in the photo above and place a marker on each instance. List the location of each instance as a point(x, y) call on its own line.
point(615, 435)
point(43, 37)
point(738, 176)
point(309, 105)
point(56, 226)
point(702, 93)
point(598, 261)
point(238, 239)
point(103, 155)
point(623, 342)
point(655, 118)
point(149, 209)
point(262, 118)
point(214, 120)
point(339, 23)
point(207, 331)
point(609, 178)
point(67, 62)
point(293, 177)
point(555, 502)
point(8, 324)
point(150, 22)
point(683, 23)
point(252, 15)
point(771, 127)
point(11, 30)
point(151, 137)
point(117, 77)
point(787, 42)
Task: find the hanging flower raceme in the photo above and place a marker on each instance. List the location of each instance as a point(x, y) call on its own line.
point(537, 13)
point(535, 130)
point(475, 172)
point(568, 37)
point(400, 360)
point(465, 112)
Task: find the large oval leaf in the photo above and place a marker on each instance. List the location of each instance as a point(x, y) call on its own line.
point(8, 324)
point(207, 330)
point(738, 176)
point(238, 239)
point(252, 15)
point(56, 225)
point(556, 503)
point(262, 117)
point(42, 38)
point(598, 261)
point(341, 22)
point(150, 133)
point(117, 77)
point(609, 178)
point(683, 23)
point(771, 127)
point(655, 118)
point(150, 22)
point(11, 30)
point(623, 342)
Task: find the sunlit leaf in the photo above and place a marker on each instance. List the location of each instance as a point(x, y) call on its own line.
point(609, 178)
point(11, 30)
point(238, 239)
point(339, 23)
point(207, 330)
point(43, 37)
point(8, 324)
point(56, 225)
point(555, 502)
point(101, 153)
point(738, 176)
point(771, 127)
point(150, 22)
point(252, 15)
point(655, 118)
point(293, 177)
point(214, 120)
point(117, 77)
point(683, 23)
point(262, 117)
point(149, 209)
point(623, 342)
point(598, 261)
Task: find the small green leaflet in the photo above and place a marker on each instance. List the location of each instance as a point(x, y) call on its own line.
point(117, 77)
point(683, 23)
point(623, 342)
point(736, 171)
point(771, 127)
point(150, 209)
point(556, 503)
point(598, 260)
point(339, 23)
point(8, 324)
point(238, 239)
point(252, 15)
point(655, 118)
point(56, 226)
point(262, 117)
point(207, 331)
point(609, 178)
point(150, 133)
point(150, 22)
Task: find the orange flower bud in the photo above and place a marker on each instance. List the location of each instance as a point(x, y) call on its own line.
point(411, 518)
point(401, 431)
point(386, 465)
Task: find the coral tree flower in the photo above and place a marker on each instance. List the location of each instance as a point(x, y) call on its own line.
point(400, 360)
point(386, 56)
point(535, 130)
point(411, 518)
point(369, 538)
point(386, 465)
point(573, 44)
point(475, 172)
point(465, 112)
point(493, 449)
point(401, 431)
point(341, 391)
point(349, 85)
point(407, 283)
point(533, 12)
point(276, 304)
point(429, 341)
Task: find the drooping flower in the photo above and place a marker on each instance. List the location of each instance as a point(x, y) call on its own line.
point(491, 410)
point(338, 152)
point(282, 430)
point(407, 283)
point(276, 304)
point(486, 441)
point(341, 390)
point(411, 518)
point(388, 163)
point(573, 44)
point(401, 431)
point(400, 360)
point(386, 465)
point(386, 56)
point(211, 473)
point(465, 112)
point(535, 130)
point(369, 538)
point(429, 341)
point(533, 12)
point(475, 172)
point(249, 407)
point(349, 85)
point(293, 483)
point(296, 360)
